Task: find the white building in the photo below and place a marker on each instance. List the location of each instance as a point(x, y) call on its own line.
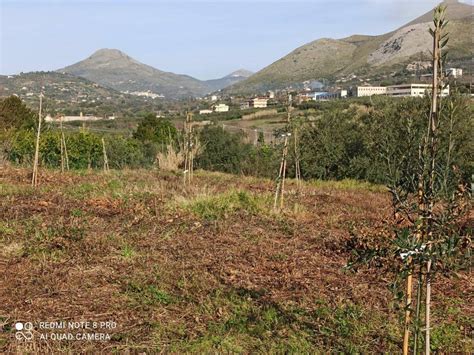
point(221, 108)
point(205, 112)
point(403, 90)
point(271, 94)
point(145, 94)
point(258, 102)
point(454, 72)
point(82, 117)
point(214, 98)
point(413, 90)
point(370, 90)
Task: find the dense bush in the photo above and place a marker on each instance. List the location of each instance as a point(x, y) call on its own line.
point(377, 140)
point(226, 152)
point(126, 153)
point(84, 150)
point(222, 151)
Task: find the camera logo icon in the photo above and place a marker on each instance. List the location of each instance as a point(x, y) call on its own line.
point(24, 331)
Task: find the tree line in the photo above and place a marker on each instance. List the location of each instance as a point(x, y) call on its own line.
point(372, 139)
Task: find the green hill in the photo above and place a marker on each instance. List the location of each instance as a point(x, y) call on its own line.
point(365, 56)
point(71, 94)
point(115, 69)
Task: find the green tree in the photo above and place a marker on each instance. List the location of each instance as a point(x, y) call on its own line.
point(85, 150)
point(156, 130)
point(330, 145)
point(223, 151)
point(15, 115)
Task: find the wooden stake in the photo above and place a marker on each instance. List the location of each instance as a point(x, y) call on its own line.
point(34, 178)
point(419, 295)
point(62, 148)
point(297, 159)
point(280, 187)
point(419, 236)
point(406, 335)
point(188, 149)
point(64, 155)
point(284, 174)
point(106, 162)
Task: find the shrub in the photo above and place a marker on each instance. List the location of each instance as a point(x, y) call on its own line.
point(222, 151)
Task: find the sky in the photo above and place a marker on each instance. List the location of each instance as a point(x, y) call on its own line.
point(204, 39)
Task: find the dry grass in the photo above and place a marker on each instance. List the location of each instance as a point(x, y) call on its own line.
point(259, 114)
point(170, 160)
point(202, 270)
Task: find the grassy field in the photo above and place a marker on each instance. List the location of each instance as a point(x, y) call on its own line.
point(206, 269)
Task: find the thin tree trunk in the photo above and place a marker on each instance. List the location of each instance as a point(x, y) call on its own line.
point(432, 175)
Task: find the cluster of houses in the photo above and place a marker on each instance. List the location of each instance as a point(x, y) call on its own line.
point(215, 108)
point(407, 90)
point(402, 90)
point(148, 94)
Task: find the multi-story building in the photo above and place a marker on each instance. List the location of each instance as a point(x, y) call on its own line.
point(82, 117)
point(413, 90)
point(370, 90)
point(258, 102)
point(221, 108)
point(403, 90)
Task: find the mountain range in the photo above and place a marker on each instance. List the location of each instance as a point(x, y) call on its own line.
point(71, 94)
point(365, 56)
point(115, 69)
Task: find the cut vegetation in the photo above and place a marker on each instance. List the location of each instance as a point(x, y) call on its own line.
point(206, 269)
